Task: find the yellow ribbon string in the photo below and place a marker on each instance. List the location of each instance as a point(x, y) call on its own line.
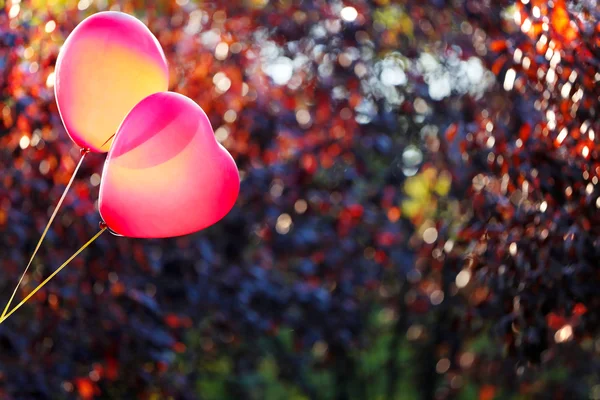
point(108, 140)
point(41, 285)
point(62, 198)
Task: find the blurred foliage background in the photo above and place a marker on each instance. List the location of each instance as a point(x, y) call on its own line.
point(417, 217)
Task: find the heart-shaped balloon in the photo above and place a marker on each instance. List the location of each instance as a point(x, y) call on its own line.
point(107, 65)
point(165, 174)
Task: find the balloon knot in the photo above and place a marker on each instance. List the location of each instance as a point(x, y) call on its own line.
point(84, 151)
point(103, 225)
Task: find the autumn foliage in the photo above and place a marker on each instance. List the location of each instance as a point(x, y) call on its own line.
point(418, 215)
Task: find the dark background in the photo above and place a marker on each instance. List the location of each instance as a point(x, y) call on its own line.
point(418, 216)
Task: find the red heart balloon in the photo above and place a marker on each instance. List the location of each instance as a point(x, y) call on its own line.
point(165, 174)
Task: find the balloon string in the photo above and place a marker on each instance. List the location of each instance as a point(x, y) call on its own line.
point(41, 285)
point(37, 247)
point(108, 140)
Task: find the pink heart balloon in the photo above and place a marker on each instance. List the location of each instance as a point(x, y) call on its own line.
point(107, 65)
point(165, 174)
